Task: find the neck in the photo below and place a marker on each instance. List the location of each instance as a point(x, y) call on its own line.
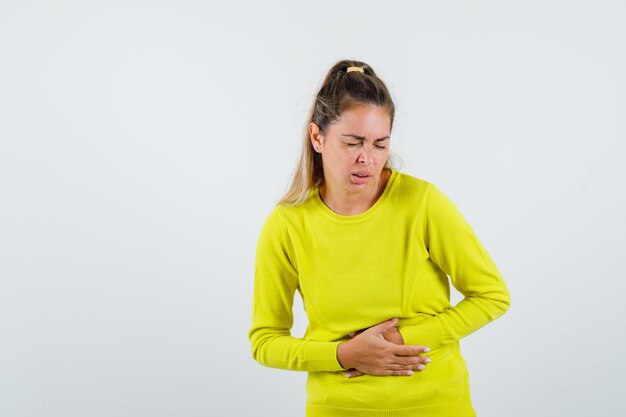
point(350, 204)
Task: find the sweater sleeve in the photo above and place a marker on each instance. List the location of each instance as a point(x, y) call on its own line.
point(454, 247)
point(275, 283)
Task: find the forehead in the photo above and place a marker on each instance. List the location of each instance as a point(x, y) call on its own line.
point(364, 120)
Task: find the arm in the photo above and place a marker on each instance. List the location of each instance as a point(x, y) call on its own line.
point(453, 246)
point(275, 283)
point(276, 280)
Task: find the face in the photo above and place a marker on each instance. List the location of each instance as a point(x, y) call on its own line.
point(354, 149)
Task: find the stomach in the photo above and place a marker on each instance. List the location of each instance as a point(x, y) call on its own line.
point(445, 380)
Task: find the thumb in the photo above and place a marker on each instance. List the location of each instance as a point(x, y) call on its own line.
point(384, 326)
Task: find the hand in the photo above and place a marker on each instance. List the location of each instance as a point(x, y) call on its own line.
point(393, 335)
point(380, 350)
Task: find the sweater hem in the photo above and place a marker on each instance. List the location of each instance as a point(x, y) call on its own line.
point(458, 409)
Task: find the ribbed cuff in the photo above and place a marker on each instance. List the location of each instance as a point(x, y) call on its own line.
point(323, 356)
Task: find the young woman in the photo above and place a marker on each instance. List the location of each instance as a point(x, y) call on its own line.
point(371, 251)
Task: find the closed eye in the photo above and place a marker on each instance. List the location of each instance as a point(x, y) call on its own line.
point(358, 144)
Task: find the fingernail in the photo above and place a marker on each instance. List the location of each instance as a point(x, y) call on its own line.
point(421, 367)
point(348, 375)
point(409, 372)
point(426, 349)
point(428, 360)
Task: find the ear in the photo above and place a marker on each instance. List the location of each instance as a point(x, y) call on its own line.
point(317, 138)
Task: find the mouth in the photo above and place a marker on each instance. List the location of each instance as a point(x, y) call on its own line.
point(360, 178)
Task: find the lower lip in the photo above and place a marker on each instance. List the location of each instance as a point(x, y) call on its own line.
point(360, 180)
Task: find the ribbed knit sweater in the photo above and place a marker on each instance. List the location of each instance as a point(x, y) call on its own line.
point(394, 260)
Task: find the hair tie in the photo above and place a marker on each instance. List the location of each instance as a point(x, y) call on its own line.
point(359, 69)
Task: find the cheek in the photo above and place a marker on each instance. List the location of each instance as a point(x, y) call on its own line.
point(339, 161)
point(347, 157)
point(382, 157)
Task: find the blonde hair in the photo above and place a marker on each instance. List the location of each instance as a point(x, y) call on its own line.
point(340, 91)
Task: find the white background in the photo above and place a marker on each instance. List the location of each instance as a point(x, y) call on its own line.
point(143, 143)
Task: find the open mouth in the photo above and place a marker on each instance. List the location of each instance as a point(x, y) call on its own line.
point(360, 178)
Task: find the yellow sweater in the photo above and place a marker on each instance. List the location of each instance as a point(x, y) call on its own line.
point(353, 272)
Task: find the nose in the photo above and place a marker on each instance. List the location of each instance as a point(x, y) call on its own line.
point(365, 155)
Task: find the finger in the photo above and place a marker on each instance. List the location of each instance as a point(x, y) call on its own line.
point(403, 350)
point(406, 372)
point(401, 361)
point(384, 326)
point(414, 366)
point(420, 367)
point(358, 332)
point(354, 373)
point(412, 360)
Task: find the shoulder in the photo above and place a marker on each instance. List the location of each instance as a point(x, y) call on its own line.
point(409, 187)
point(410, 181)
point(275, 230)
point(413, 193)
point(287, 217)
point(283, 210)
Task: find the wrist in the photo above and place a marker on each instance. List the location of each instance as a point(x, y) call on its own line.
point(343, 355)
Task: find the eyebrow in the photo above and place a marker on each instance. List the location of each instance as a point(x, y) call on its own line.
point(363, 137)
